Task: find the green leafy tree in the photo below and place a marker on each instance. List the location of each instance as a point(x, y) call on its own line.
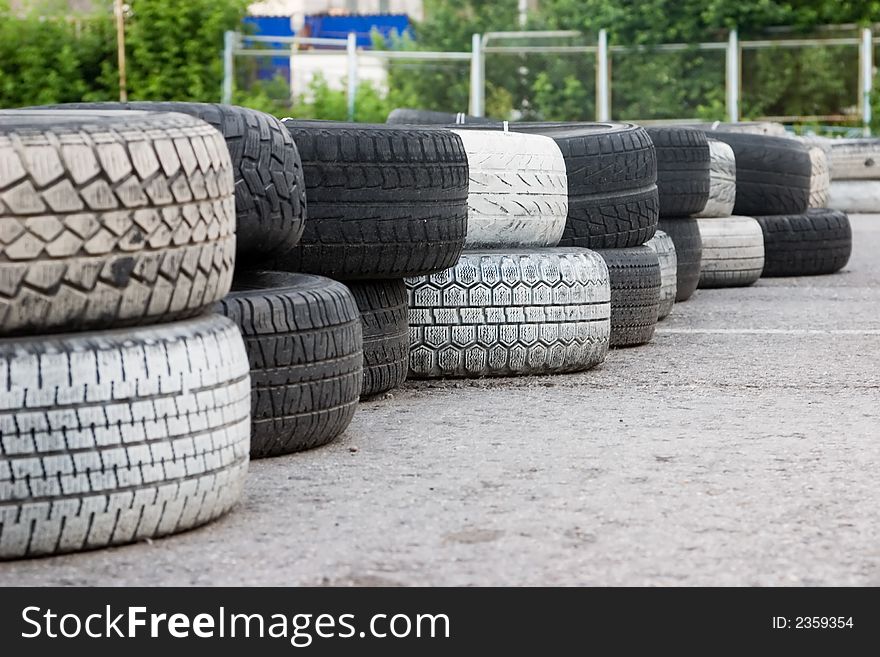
point(175, 48)
point(53, 61)
point(650, 83)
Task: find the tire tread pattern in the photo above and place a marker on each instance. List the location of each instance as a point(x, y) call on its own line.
point(818, 242)
point(108, 222)
point(384, 201)
point(683, 163)
point(664, 247)
point(117, 436)
point(635, 294)
point(385, 324)
point(304, 343)
point(540, 311)
point(733, 252)
point(685, 234)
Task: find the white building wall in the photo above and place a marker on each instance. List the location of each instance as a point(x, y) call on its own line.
point(334, 68)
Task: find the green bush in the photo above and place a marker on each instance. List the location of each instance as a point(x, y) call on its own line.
point(174, 52)
point(320, 102)
point(54, 61)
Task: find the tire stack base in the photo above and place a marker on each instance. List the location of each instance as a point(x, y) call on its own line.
point(125, 404)
point(818, 242)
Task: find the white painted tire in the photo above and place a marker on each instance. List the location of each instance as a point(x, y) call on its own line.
point(722, 181)
point(855, 196)
point(855, 159)
point(518, 190)
point(733, 252)
point(117, 436)
point(663, 246)
point(534, 311)
point(111, 218)
point(820, 177)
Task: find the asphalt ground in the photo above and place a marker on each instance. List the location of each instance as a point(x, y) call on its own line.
point(741, 447)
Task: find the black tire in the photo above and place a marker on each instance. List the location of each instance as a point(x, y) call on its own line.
point(772, 174)
point(408, 116)
point(385, 324)
point(110, 219)
point(304, 344)
point(112, 437)
point(682, 170)
point(818, 242)
point(635, 294)
point(685, 234)
point(612, 182)
point(270, 198)
point(384, 202)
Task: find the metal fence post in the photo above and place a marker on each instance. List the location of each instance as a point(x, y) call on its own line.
point(477, 75)
point(733, 76)
point(866, 58)
point(229, 39)
point(351, 50)
point(603, 88)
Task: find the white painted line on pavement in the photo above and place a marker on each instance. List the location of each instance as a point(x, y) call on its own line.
point(734, 331)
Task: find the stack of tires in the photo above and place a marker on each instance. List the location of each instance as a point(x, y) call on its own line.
point(613, 208)
point(513, 304)
point(385, 203)
point(733, 249)
point(733, 245)
point(302, 332)
point(684, 184)
point(812, 242)
point(779, 227)
point(125, 403)
point(855, 174)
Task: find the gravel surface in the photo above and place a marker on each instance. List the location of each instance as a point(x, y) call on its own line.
point(740, 448)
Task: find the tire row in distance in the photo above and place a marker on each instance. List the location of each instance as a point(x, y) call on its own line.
point(733, 252)
point(383, 201)
point(745, 127)
point(612, 182)
point(518, 190)
point(664, 247)
point(722, 181)
point(304, 343)
point(772, 173)
point(818, 242)
point(635, 294)
point(685, 235)
point(270, 198)
point(683, 162)
point(111, 219)
point(534, 311)
point(116, 436)
point(854, 159)
point(407, 116)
